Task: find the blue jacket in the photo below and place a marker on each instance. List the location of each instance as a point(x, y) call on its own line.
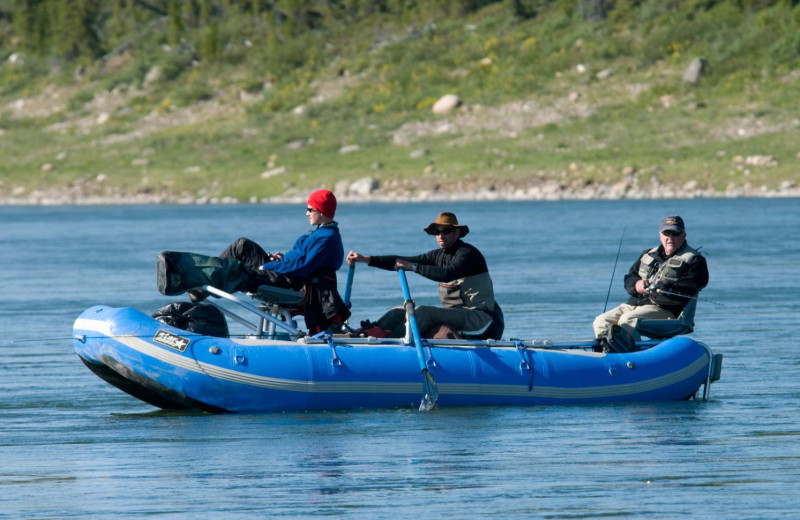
point(319, 248)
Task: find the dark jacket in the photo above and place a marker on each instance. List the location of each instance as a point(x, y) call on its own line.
point(461, 271)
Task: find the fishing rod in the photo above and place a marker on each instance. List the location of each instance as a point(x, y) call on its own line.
point(670, 293)
point(615, 268)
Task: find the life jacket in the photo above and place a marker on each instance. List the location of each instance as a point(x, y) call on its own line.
point(471, 292)
point(669, 271)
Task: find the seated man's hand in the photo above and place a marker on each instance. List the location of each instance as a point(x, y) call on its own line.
point(403, 264)
point(353, 257)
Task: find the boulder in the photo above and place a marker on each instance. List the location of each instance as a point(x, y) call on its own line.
point(603, 74)
point(153, 75)
point(446, 103)
point(349, 148)
point(695, 70)
point(341, 187)
point(296, 144)
point(274, 172)
point(363, 186)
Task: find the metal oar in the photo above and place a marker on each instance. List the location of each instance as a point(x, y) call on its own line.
point(429, 392)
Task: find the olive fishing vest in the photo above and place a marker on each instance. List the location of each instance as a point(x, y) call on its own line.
point(471, 292)
point(668, 272)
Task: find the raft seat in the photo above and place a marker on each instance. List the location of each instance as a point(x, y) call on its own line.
point(279, 296)
point(663, 329)
point(279, 302)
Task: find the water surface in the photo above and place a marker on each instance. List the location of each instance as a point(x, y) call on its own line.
point(75, 447)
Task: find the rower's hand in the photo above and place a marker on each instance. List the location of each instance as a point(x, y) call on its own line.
point(353, 257)
point(641, 287)
point(403, 264)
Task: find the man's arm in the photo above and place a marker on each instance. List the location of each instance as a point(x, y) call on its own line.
point(467, 261)
point(389, 262)
point(308, 255)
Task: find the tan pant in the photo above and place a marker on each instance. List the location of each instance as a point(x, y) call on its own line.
point(627, 317)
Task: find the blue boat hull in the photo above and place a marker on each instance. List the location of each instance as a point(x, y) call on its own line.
point(171, 368)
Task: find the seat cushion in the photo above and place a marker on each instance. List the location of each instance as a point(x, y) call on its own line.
point(278, 296)
point(661, 329)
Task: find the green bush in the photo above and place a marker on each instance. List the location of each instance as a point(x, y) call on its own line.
point(77, 101)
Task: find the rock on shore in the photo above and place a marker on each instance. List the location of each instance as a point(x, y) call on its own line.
point(368, 189)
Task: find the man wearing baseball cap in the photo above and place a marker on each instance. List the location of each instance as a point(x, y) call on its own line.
point(661, 282)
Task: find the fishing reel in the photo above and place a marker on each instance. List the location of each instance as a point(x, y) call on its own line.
point(653, 288)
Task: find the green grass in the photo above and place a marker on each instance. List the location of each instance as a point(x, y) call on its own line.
point(745, 105)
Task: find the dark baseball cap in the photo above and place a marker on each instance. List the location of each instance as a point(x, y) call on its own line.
point(673, 222)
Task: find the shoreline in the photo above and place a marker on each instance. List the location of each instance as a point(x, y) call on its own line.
point(547, 193)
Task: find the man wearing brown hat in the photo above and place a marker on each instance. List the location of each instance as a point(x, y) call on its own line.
point(661, 282)
point(465, 287)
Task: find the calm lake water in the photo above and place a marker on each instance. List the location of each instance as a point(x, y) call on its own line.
point(74, 447)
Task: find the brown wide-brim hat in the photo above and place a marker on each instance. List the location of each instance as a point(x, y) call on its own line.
point(446, 219)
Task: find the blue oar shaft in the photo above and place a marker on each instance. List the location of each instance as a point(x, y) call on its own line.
point(348, 286)
point(412, 320)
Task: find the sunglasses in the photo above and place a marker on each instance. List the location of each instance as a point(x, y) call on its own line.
point(671, 233)
point(444, 231)
point(310, 210)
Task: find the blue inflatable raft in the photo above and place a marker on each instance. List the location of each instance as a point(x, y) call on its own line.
point(278, 370)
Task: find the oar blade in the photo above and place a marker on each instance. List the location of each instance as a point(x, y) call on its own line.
point(430, 394)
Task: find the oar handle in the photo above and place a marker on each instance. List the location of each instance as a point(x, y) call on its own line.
point(348, 286)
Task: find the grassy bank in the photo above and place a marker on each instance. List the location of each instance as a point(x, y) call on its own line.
point(551, 99)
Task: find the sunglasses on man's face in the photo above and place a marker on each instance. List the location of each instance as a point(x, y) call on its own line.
point(445, 231)
point(310, 210)
point(671, 233)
